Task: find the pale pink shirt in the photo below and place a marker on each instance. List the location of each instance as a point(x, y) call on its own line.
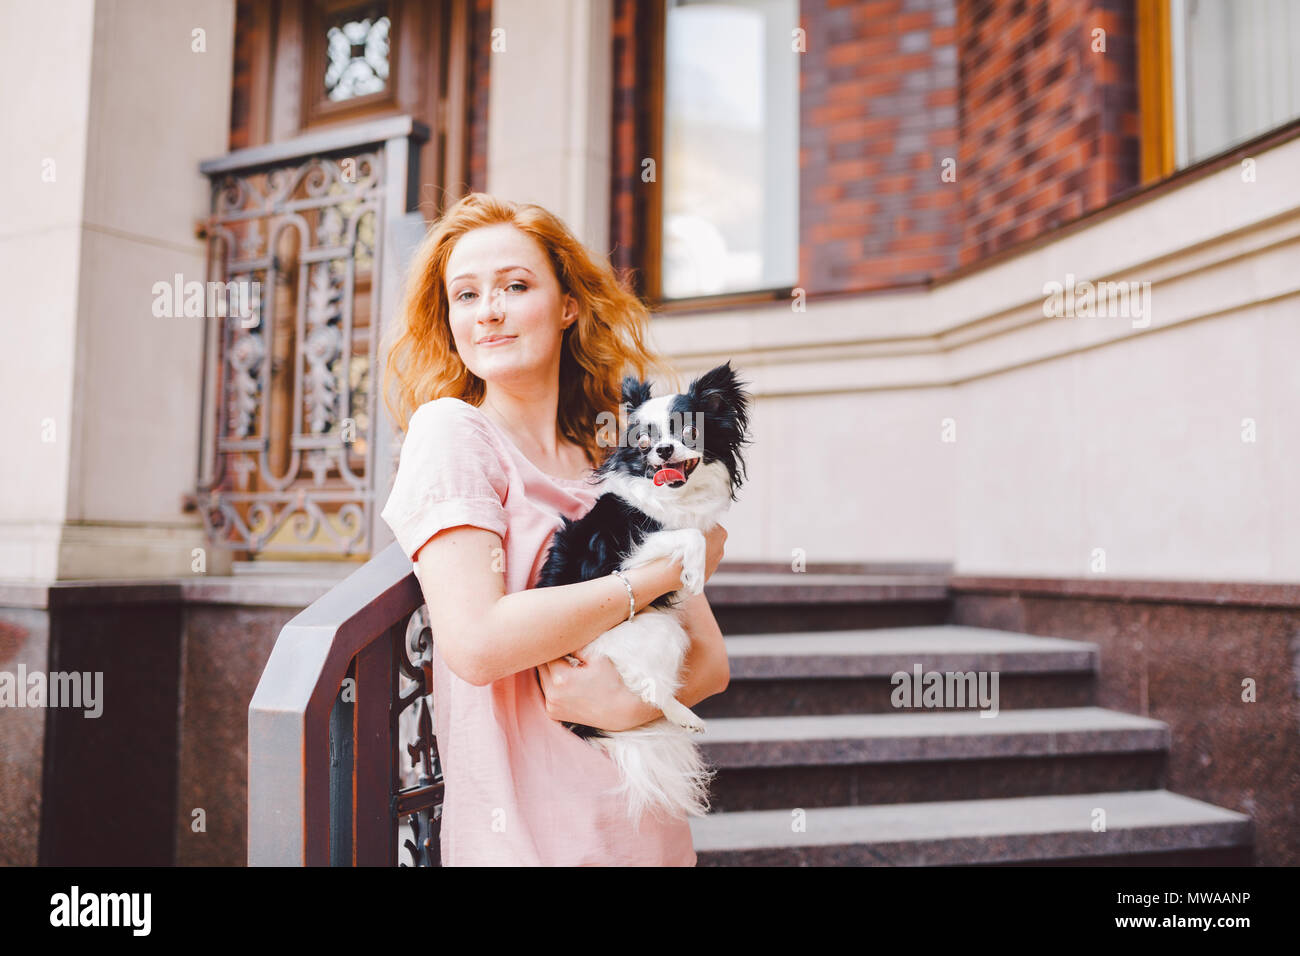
point(520, 788)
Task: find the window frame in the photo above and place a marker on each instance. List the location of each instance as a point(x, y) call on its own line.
point(1155, 90)
point(316, 105)
point(652, 234)
point(1162, 99)
point(434, 84)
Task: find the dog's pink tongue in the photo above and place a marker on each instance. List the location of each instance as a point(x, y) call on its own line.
point(664, 475)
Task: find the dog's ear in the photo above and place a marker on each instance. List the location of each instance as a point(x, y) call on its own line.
point(635, 392)
point(719, 388)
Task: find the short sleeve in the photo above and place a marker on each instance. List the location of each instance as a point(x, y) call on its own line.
point(448, 474)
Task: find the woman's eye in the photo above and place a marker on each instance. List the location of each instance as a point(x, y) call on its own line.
point(643, 441)
point(461, 296)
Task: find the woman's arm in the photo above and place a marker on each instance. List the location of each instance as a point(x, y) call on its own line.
point(595, 695)
point(485, 634)
point(707, 670)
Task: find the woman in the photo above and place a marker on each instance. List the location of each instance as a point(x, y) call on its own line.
point(510, 343)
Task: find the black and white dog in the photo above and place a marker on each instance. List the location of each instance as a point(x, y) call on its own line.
point(673, 474)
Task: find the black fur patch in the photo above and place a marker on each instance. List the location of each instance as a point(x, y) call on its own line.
point(592, 547)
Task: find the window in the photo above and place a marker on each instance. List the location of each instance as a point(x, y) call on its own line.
point(1213, 74)
point(307, 65)
point(1235, 72)
point(357, 56)
point(730, 149)
point(350, 48)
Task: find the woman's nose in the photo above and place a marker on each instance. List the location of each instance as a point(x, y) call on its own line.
point(495, 305)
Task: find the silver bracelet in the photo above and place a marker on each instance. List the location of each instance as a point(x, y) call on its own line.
point(631, 599)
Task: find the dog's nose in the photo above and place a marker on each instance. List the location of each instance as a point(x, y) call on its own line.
point(665, 452)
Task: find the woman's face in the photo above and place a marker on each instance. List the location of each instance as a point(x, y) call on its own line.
point(497, 271)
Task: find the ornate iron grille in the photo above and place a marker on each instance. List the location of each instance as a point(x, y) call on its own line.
point(383, 753)
point(291, 417)
point(418, 787)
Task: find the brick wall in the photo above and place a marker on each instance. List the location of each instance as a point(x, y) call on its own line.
point(1036, 127)
point(241, 81)
point(630, 138)
point(1049, 127)
point(878, 96)
point(1040, 128)
point(480, 58)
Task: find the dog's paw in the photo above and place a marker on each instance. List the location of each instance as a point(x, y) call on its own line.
point(692, 581)
point(692, 553)
point(682, 716)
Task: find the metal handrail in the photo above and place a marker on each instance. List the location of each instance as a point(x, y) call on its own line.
point(301, 811)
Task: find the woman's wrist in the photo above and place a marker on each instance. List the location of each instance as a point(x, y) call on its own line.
point(652, 580)
point(633, 713)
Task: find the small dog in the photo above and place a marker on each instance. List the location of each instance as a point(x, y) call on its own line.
point(673, 474)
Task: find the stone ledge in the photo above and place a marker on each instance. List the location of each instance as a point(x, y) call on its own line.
point(1163, 591)
point(960, 832)
point(269, 591)
point(881, 652)
point(918, 736)
point(750, 588)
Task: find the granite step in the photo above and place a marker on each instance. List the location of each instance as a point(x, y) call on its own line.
point(849, 671)
point(1140, 828)
point(856, 759)
point(757, 602)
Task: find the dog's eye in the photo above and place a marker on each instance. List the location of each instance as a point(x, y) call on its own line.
point(643, 441)
point(689, 434)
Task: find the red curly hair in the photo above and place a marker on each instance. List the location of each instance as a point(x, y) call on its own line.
point(607, 341)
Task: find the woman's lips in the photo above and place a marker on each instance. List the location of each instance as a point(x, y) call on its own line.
point(497, 340)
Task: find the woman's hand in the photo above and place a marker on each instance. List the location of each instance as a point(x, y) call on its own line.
point(593, 694)
point(713, 547)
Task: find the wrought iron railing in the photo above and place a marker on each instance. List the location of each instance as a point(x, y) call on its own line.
point(342, 758)
point(295, 439)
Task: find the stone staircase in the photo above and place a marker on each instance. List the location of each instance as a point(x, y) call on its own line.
point(817, 767)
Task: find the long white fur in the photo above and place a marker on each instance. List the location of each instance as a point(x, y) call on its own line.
point(660, 765)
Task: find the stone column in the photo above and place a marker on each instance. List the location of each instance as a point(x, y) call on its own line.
point(549, 110)
point(108, 113)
